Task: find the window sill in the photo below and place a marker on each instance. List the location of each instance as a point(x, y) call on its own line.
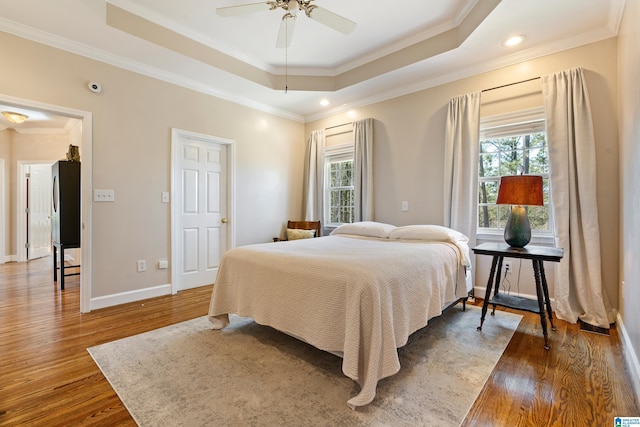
point(540, 240)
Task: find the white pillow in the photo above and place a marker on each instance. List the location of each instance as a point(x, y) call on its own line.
point(428, 232)
point(365, 228)
point(297, 234)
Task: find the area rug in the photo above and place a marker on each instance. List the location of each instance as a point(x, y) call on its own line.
point(250, 375)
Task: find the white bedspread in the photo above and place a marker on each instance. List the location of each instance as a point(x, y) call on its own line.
point(361, 297)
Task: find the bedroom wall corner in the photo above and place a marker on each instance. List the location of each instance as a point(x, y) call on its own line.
point(629, 124)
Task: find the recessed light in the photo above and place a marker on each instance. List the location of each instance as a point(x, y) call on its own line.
point(324, 102)
point(513, 41)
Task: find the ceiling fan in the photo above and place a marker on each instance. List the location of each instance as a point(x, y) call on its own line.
point(285, 33)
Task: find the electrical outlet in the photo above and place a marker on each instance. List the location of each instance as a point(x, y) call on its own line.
point(142, 265)
point(507, 267)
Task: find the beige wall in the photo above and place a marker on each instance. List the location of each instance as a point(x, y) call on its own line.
point(629, 89)
point(409, 149)
point(132, 121)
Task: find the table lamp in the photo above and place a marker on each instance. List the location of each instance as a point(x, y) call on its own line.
point(519, 191)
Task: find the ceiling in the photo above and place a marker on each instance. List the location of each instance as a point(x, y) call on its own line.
point(396, 48)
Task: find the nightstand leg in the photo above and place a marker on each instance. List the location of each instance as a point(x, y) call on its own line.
point(487, 294)
point(55, 264)
point(540, 294)
point(545, 288)
point(496, 285)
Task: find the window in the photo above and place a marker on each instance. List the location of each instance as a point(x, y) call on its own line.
point(510, 145)
point(339, 197)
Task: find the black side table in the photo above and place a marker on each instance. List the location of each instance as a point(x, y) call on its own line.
point(537, 254)
point(60, 247)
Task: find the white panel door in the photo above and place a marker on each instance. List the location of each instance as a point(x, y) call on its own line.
point(39, 223)
point(201, 194)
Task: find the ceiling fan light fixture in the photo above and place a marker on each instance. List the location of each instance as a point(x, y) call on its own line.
point(14, 117)
point(317, 13)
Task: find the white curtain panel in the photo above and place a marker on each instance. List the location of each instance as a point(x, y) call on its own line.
point(314, 177)
point(462, 145)
point(578, 287)
point(363, 162)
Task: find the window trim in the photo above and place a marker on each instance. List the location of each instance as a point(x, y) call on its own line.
point(521, 122)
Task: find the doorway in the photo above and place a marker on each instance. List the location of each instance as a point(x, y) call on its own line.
point(36, 210)
point(85, 143)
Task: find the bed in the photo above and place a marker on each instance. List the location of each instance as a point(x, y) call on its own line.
point(358, 293)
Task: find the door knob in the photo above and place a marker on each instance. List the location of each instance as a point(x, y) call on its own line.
point(223, 220)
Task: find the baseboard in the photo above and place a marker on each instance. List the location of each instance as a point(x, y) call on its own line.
point(10, 258)
point(479, 292)
point(630, 358)
point(129, 296)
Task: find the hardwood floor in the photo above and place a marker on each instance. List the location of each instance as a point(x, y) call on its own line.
point(581, 381)
point(47, 377)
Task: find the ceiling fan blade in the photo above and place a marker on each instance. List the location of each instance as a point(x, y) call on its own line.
point(285, 33)
point(243, 8)
point(332, 20)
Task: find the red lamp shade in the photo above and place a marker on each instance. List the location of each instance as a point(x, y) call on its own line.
point(520, 190)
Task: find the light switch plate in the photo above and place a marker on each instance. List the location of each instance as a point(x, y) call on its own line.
point(165, 197)
point(103, 196)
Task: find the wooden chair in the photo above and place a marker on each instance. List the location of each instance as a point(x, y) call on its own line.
point(303, 225)
point(306, 225)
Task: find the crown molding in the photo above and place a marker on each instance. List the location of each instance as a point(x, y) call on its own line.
point(162, 21)
point(86, 51)
point(140, 26)
point(472, 70)
point(39, 36)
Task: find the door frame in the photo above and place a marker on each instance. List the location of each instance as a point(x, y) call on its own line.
point(21, 205)
point(176, 135)
point(3, 211)
point(86, 183)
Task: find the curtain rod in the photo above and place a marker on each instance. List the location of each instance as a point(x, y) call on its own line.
point(337, 126)
point(511, 84)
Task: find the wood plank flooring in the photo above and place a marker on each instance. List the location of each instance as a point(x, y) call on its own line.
point(47, 378)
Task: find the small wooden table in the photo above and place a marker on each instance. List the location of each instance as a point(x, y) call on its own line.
point(537, 254)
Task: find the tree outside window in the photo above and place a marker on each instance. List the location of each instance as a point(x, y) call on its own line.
point(341, 192)
point(339, 197)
